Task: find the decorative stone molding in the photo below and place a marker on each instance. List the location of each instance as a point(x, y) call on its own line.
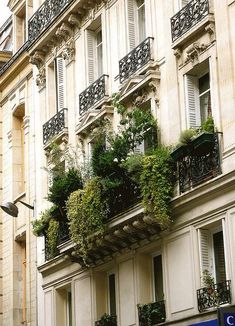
point(9, 137)
point(41, 78)
point(145, 93)
point(68, 53)
point(210, 29)
point(74, 20)
point(37, 59)
point(194, 51)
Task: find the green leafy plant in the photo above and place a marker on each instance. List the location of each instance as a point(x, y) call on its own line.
point(107, 320)
point(40, 225)
point(207, 278)
point(157, 183)
point(86, 211)
point(186, 136)
point(208, 125)
point(63, 185)
point(52, 238)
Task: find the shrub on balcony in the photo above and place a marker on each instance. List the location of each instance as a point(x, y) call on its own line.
point(107, 320)
point(40, 226)
point(52, 238)
point(86, 211)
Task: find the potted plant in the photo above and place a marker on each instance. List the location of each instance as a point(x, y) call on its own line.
point(183, 148)
point(107, 320)
point(204, 142)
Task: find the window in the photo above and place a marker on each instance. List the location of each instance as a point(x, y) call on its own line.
point(112, 294)
point(94, 51)
point(212, 256)
point(158, 278)
point(20, 28)
point(136, 22)
point(18, 150)
point(148, 144)
point(197, 97)
point(64, 306)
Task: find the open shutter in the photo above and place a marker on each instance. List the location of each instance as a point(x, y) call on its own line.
point(131, 23)
point(205, 248)
point(60, 83)
point(192, 101)
point(90, 56)
point(140, 149)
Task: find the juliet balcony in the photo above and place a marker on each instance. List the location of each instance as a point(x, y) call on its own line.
point(152, 313)
point(193, 18)
point(93, 95)
point(44, 16)
point(197, 162)
point(214, 296)
point(135, 60)
point(56, 127)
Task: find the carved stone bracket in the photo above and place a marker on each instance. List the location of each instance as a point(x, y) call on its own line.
point(210, 29)
point(26, 124)
point(68, 52)
point(37, 59)
point(41, 78)
point(194, 51)
point(143, 94)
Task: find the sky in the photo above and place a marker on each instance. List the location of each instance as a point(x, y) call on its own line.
point(4, 11)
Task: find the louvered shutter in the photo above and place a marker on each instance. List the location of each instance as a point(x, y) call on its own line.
point(192, 101)
point(219, 257)
point(60, 83)
point(131, 23)
point(140, 149)
point(90, 56)
point(206, 262)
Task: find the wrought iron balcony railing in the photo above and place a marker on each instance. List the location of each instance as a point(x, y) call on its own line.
point(54, 126)
point(188, 17)
point(197, 165)
point(92, 94)
point(214, 296)
point(135, 59)
point(44, 16)
point(152, 313)
point(107, 320)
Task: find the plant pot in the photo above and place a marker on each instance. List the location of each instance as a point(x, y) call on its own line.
point(203, 143)
point(180, 152)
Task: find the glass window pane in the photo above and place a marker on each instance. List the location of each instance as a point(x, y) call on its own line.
point(219, 257)
point(158, 278)
point(205, 106)
point(112, 295)
point(141, 23)
point(204, 83)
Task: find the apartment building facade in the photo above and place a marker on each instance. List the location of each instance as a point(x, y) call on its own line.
point(173, 57)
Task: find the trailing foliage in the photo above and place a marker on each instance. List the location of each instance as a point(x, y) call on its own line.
point(157, 184)
point(86, 211)
point(51, 237)
point(107, 320)
point(208, 125)
point(40, 225)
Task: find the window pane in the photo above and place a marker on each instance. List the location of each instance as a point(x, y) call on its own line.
point(112, 295)
point(219, 257)
point(205, 106)
point(141, 21)
point(99, 51)
point(204, 83)
point(158, 278)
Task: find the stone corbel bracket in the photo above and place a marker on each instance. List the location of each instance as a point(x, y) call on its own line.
point(64, 31)
point(210, 29)
point(194, 51)
point(68, 52)
point(38, 59)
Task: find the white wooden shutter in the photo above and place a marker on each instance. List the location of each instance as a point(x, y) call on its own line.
point(131, 7)
point(90, 56)
point(192, 101)
point(206, 251)
point(60, 83)
point(140, 149)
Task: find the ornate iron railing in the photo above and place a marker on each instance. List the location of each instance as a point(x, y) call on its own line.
point(196, 167)
point(107, 320)
point(135, 59)
point(214, 296)
point(92, 94)
point(188, 17)
point(152, 313)
point(44, 16)
point(54, 126)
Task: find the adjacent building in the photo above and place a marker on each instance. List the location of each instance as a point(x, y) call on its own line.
point(173, 57)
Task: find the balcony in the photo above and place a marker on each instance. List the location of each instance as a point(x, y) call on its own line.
point(55, 126)
point(92, 94)
point(214, 296)
point(107, 320)
point(44, 16)
point(152, 313)
point(189, 16)
point(198, 162)
point(135, 59)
